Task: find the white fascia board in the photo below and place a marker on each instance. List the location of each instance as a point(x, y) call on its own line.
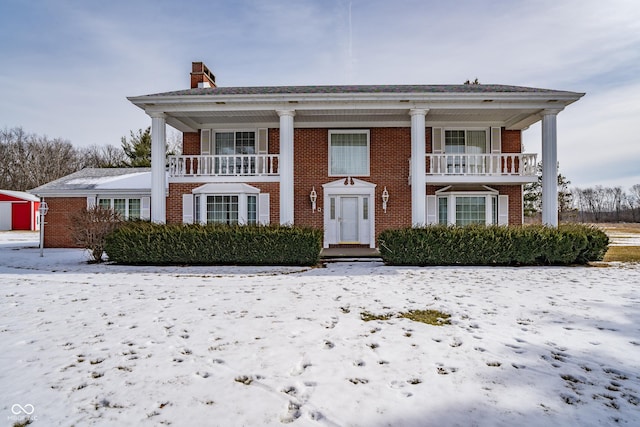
point(141, 192)
point(298, 101)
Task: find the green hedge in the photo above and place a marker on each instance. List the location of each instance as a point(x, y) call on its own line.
point(493, 245)
point(158, 244)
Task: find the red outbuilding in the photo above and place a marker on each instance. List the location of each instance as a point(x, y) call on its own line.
point(18, 210)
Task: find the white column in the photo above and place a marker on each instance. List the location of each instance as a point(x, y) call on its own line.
point(418, 167)
point(549, 168)
point(286, 166)
point(158, 174)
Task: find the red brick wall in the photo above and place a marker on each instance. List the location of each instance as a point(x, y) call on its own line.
point(176, 190)
point(56, 229)
point(515, 201)
point(390, 152)
point(190, 143)
point(511, 141)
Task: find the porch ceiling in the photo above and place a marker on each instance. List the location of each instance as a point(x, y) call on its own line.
point(185, 120)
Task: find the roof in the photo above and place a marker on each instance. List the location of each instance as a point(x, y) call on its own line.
point(99, 180)
point(512, 107)
point(356, 89)
point(20, 195)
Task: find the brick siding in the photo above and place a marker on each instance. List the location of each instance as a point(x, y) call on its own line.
point(58, 221)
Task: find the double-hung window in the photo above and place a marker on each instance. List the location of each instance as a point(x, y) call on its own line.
point(236, 207)
point(465, 150)
point(127, 208)
point(349, 153)
point(465, 209)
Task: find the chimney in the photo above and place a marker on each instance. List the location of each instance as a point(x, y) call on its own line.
point(201, 76)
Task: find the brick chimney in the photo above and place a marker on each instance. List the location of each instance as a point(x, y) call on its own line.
point(201, 76)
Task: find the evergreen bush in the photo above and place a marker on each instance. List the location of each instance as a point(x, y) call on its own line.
point(145, 243)
point(493, 245)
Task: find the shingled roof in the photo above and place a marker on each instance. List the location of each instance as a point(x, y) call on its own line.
point(357, 89)
point(96, 179)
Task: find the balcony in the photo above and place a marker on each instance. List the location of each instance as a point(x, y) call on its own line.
point(505, 168)
point(234, 165)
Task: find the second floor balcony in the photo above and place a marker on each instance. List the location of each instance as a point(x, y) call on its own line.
point(480, 168)
point(233, 165)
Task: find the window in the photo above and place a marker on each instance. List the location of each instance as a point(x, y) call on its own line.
point(222, 209)
point(349, 153)
point(252, 210)
point(229, 204)
point(235, 145)
point(461, 209)
point(240, 142)
point(465, 141)
point(134, 209)
point(461, 145)
point(442, 210)
point(127, 208)
point(471, 210)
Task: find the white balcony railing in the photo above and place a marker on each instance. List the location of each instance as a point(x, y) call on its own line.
point(516, 164)
point(224, 165)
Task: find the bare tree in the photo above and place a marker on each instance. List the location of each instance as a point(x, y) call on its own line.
point(107, 156)
point(29, 160)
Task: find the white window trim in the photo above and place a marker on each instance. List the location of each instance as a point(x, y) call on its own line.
point(487, 137)
point(451, 204)
point(212, 138)
point(242, 191)
point(126, 204)
point(349, 131)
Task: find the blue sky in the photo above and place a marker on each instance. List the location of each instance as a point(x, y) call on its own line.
point(67, 66)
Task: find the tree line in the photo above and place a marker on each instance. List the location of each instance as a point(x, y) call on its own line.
point(607, 204)
point(598, 204)
point(28, 160)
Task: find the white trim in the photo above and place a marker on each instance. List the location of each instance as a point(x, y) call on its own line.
point(503, 209)
point(496, 140)
point(264, 209)
point(348, 132)
point(451, 196)
point(225, 188)
point(241, 191)
point(187, 208)
point(354, 187)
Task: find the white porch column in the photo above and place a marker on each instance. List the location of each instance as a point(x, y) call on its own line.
point(158, 174)
point(285, 167)
point(549, 168)
point(418, 167)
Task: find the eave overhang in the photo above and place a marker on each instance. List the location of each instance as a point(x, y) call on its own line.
point(513, 110)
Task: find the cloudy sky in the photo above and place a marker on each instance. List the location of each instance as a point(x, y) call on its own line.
point(67, 66)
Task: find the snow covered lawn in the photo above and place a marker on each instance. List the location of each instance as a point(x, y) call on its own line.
point(244, 346)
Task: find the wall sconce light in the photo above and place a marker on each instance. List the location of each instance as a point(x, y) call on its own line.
point(385, 199)
point(313, 197)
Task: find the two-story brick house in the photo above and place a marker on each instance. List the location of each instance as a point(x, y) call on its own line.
point(352, 160)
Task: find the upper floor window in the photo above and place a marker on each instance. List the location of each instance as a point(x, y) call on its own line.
point(242, 142)
point(234, 142)
point(349, 153)
point(465, 142)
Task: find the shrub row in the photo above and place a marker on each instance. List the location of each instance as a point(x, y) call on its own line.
point(493, 245)
point(159, 244)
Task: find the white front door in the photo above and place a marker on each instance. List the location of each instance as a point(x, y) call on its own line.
point(349, 212)
point(349, 220)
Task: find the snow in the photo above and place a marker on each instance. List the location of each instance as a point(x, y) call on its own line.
point(129, 181)
point(88, 344)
